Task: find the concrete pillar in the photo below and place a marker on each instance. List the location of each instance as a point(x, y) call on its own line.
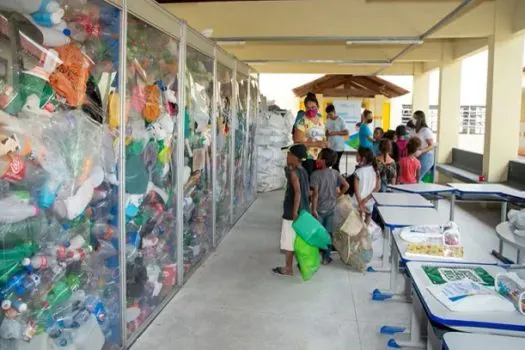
point(502, 119)
point(448, 104)
point(379, 101)
point(420, 89)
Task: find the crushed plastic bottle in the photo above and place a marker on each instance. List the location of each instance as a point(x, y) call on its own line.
point(12, 210)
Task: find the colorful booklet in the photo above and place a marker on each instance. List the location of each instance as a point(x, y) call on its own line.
point(444, 274)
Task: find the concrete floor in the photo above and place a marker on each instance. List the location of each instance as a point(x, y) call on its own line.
point(234, 301)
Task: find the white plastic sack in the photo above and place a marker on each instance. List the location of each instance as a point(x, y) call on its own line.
point(342, 210)
point(517, 221)
point(376, 236)
point(273, 132)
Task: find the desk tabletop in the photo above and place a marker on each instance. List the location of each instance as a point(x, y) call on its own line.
point(461, 341)
point(405, 216)
point(422, 188)
point(503, 323)
point(504, 231)
point(400, 199)
point(488, 188)
point(473, 253)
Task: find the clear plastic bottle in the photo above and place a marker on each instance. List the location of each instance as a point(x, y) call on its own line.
point(16, 170)
point(12, 210)
point(30, 229)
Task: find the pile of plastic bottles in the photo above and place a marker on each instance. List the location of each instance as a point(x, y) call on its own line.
point(239, 197)
point(59, 242)
point(150, 208)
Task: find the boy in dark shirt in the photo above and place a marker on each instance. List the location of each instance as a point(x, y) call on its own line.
point(327, 184)
point(295, 200)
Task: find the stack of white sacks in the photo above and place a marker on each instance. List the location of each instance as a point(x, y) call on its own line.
point(273, 132)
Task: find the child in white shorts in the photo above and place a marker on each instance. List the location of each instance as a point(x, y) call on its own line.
point(295, 200)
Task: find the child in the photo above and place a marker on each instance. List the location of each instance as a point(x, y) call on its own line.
point(295, 200)
point(401, 133)
point(409, 166)
point(326, 184)
point(386, 165)
point(366, 181)
point(378, 135)
point(391, 135)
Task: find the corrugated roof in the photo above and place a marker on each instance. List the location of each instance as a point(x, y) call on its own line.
point(341, 85)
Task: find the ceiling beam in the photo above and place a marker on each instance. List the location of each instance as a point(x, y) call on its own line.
point(429, 51)
point(196, 1)
point(467, 47)
point(518, 24)
point(322, 68)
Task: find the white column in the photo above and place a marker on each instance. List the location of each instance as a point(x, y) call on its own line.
point(448, 104)
point(420, 89)
point(502, 122)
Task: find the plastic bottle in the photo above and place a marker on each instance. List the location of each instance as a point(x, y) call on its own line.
point(17, 253)
point(40, 262)
point(17, 305)
point(30, 229)
point(16, 170)
point(52, 37)
point(48, 19)
point(78, 254)
point(63, 337)
point(4, 188)
point(30, 6)
point(13, 210)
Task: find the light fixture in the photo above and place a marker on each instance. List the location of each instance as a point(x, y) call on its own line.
point(231, 43)
point(367, 63)
point(338, 62)
point(385, 42)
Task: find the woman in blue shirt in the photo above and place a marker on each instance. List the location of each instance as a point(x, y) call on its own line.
point(366, 139)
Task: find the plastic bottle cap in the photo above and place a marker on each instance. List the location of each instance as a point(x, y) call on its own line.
point(67, 32)
point(6, 305)
point(22, 307)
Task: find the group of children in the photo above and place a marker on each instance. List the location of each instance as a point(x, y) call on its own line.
point(396, 153)
point(391, 159)
point(322, 186)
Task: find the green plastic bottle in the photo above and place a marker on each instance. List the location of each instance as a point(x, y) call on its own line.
point(63, 289)
point(9, 257)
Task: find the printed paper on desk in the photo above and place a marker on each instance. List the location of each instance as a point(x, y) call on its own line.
point(469, 296)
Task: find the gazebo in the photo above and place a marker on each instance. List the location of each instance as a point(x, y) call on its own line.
point(371, 92)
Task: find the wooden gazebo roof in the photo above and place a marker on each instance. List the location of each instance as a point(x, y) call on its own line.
point(343, 85)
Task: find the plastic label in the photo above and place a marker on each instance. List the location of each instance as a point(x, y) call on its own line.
point(15, 169)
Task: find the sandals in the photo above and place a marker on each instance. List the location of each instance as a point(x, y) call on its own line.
point(281, 271)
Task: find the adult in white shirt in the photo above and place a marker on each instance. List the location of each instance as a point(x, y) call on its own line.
point(425, 153)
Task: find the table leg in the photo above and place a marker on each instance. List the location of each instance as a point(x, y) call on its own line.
point(518, 257)
point(416, 337)
point(436, 203)
point(384, 265)
point(503, 215)
point(452, 206)
point(394, 269)
point(391, 294)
